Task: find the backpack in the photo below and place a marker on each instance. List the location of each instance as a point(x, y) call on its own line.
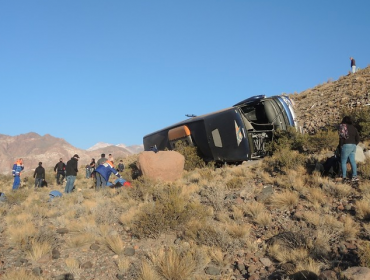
point(343, 131)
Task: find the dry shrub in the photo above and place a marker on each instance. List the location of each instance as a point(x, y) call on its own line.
point(18, 235)
point(238, 231)
point(19, 274)
point(18, 196)
point(208, 234)
point(309, 264)
point(364, 253)
point(253, 209)
point(237, 213)
point(128, 216)
point(364, 169)
point(284, 159)
point(235, 183)
point(216, 255)
point(363, 209)
point(80, 240)
point(192, 158)
point(115, 243)
point(170, 211)
point(316, 195)
point(38, 249)
point(284, 200)
point(123, 264)
point(263, 219)
point(73, 265)
point(313, 218)
point(350, 228)
point(174, 264)
point(340, 190)
point(147, 272)
point(320, 246)
point(284, 254)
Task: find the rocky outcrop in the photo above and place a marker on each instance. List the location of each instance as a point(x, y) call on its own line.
point(163, 165)
point(323, 105)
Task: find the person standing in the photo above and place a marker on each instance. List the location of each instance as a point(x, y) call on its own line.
point(71, 173)
point(348, 140)
point(353, 65)
point(101, 160)
point(88, 172)
point(39, 175)
point(16, 172)
point(103, 172)
point(92, 167)
point(59, 170)
point(110, 158)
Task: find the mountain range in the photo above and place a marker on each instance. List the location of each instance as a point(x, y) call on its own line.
point(34, 148)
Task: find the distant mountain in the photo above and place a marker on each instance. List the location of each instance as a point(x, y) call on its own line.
point(34, 148)
point(135, 149)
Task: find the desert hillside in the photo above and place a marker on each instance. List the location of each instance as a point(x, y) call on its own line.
point(322, 105)
point(278, 218)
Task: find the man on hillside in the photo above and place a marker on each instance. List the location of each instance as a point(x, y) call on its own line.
point(16, 172)
point(101, 160)
point(71, 173)
point(353, 65)
point(103, 172)
point(59, 170)
point(39, 175)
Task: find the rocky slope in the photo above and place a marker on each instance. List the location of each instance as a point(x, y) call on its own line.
point(322, 105)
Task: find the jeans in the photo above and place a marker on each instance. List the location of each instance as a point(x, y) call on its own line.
point(88, 173)
point(16, 183)
point(70, 183)
point(100, 181)
point(60, 173)
point(38, 182)
point(348, 151)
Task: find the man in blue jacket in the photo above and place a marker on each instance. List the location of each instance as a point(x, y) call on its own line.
point(16, 172)
point(103, 172)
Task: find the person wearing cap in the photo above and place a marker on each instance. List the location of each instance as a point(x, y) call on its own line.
point(103, 172)
point(16, 172)
point(101, 160)
point(71, 173)
point(39, 175)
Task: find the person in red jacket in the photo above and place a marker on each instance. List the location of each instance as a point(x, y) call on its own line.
point(103, 172)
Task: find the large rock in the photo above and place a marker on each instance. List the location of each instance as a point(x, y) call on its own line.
point(357, 273)
point(163, 165)
point(360, 156)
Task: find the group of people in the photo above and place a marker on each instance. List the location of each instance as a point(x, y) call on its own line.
point(100, 171)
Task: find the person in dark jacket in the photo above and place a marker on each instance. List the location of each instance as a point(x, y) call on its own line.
point(103, 172)
point(59, 170)
point(121, 166)
point(71, 173)
point(101, 160)
point(348, 142)
point(39, 175)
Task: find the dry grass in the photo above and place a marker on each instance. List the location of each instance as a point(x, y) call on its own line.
point(18, 235)
point(309, 264)
point(317, 195)
point(115, 243)
point(238, 231)
point(147, 272)
point(38, 249)
point(284, 254)
point(80, 240)
point(350, 228)
point(216, 255)
point(19, 274)
point(172, 264)
point(284, 200)
point(123, 264)
point(363, 209)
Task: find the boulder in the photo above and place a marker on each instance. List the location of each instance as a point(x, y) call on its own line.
point(357, 273)
point(163, 165)
point(360, 156)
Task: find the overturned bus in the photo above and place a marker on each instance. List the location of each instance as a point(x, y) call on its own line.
point(234, 134)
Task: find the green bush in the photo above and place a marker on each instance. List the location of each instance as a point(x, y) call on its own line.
point(192, 158)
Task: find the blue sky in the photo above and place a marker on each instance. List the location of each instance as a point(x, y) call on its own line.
point(113, 71)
